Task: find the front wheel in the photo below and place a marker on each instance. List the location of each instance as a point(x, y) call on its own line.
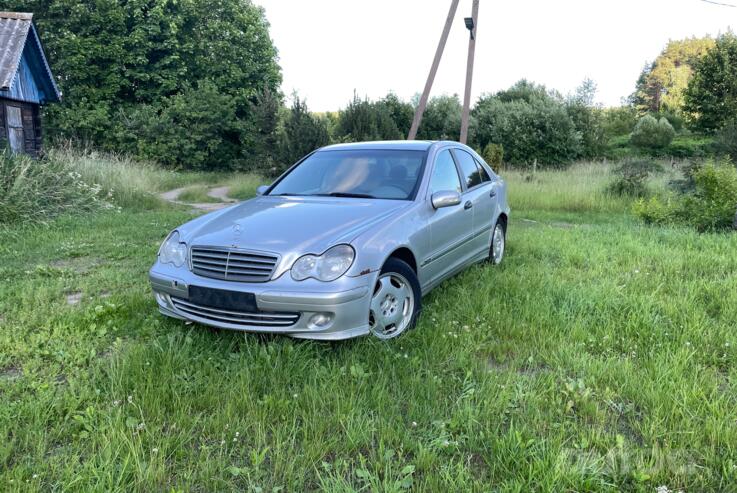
point(498, 243)
point(396, 300)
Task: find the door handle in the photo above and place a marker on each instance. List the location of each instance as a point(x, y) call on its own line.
point(492, 194)
point(468, 205)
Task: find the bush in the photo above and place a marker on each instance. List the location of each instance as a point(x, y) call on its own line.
point(531, 124)
point(711, 205)
point(619, 121)
point(35, 191)
point(690, 146)
point(494, 155)
point(631, 177)
point(656, 210)
point(726, 141)
point(651, 134)
point(714, 204)
point(442, 119)
point(196, 129)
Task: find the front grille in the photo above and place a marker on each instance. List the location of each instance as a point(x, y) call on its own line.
point(257, 318)
point(232, 265)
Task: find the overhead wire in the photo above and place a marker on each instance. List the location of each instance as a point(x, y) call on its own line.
point(721, 4)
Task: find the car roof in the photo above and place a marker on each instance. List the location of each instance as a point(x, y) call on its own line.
point(393, 145)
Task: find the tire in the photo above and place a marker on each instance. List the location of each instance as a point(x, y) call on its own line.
point(396, 301)
point(498, 243)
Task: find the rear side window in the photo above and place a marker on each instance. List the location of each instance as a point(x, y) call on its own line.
point(482, 171)
point(444, 175)
point(471, 172)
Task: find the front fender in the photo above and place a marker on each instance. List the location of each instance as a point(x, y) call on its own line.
point(373, 247)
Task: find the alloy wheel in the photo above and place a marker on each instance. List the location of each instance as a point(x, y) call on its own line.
point(392, 306)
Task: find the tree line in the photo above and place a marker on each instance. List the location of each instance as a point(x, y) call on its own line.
point(194, 84)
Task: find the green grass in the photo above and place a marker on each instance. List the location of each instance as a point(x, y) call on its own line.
point(197, 194)
point(599, 356)
point(134, 184)
point(243, 186)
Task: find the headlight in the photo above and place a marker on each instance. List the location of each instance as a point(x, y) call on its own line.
point(326, 267)
point(173, 251)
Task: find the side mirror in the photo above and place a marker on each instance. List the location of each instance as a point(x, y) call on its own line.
point(445, 198)
point(262, 189)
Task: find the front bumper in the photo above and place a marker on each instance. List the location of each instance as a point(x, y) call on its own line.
point(284, 306)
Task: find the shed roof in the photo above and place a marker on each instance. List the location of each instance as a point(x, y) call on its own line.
point(16, 31)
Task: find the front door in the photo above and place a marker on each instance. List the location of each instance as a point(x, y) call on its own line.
point(479, 191)
point(451, 228)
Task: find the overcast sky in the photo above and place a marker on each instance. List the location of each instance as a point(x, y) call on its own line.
point(328, 48)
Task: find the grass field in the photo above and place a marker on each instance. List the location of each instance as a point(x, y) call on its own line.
point(599, 357)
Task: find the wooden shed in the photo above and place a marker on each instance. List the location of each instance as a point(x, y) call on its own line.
point(26, 83)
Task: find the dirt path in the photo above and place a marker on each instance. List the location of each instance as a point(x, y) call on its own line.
point(220, 193)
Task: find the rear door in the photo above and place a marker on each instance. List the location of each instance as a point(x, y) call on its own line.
point(477, 196)
point(451, 228)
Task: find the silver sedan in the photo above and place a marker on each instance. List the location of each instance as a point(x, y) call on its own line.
point(345, 243)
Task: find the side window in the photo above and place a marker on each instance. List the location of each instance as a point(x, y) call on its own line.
point(482, 171)
point(471, 172)
point(445, 175)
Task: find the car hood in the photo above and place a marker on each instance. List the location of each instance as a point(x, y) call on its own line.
point(290, 225)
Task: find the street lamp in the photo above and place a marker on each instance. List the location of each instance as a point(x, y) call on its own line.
point(469, 24)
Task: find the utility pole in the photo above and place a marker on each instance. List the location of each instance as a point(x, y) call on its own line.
point(471, 24)
point(433, 70)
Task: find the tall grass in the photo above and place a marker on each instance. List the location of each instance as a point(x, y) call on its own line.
point(135, 184)
point(36, 191)
point(580, 188)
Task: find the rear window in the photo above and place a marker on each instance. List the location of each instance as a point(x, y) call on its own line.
point(471, 173)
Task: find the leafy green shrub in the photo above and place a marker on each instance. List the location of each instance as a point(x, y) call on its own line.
point(196, 129)
point(714, 203)
point(619, 121)
point(494, 155)
point(442, 119)
point(651, 134)
point(711, 205)
point(726, 141)
point(631, 177)
point(656, 210)
point(531, 124)
point(34, 191)
point(690, 146)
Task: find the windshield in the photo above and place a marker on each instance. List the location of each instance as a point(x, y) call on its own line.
point(364, 173)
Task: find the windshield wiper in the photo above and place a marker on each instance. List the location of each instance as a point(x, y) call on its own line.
point(347, 194)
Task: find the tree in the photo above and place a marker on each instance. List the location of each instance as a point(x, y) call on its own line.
point(530, 123)
point(711, 96)
point(442, 119)
point(400, 112)
point(662, 83)
point(194, 129)
point(112, 58)
point(652, 134)
point(588, 119)
point(363, 120)
point(303, 133)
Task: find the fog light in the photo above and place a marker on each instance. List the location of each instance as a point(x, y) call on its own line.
point(320, 320)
